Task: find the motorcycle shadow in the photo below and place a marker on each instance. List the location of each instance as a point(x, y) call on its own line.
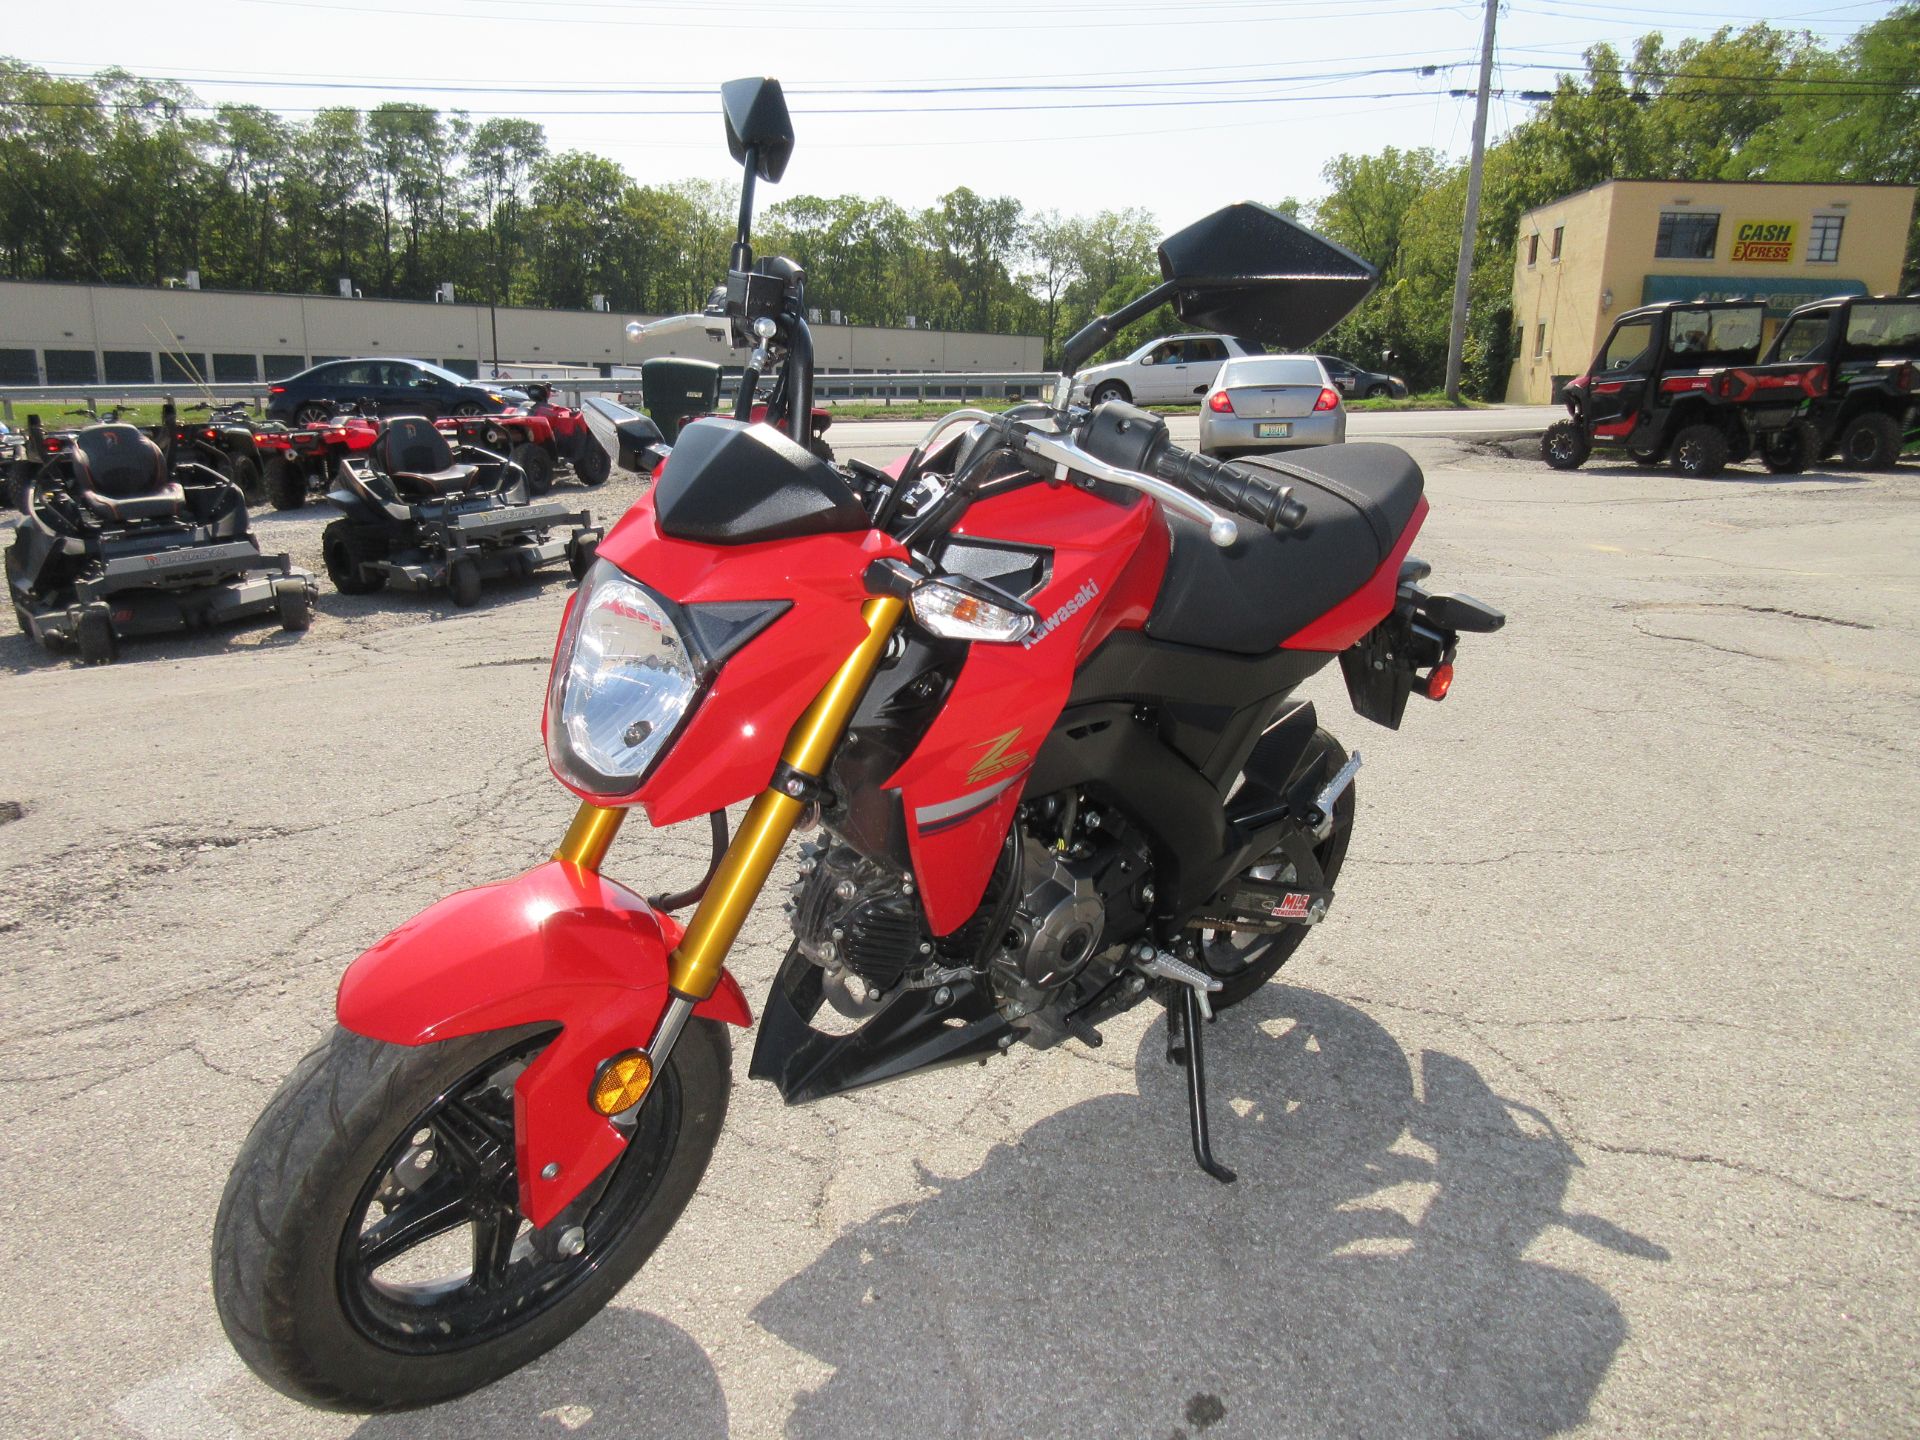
point(1366, 1276)
point(625, 1374)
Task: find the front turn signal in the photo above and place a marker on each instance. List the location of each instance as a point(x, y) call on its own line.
point(621, 1083)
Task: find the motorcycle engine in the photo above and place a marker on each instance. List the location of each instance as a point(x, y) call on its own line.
point(1081, 895)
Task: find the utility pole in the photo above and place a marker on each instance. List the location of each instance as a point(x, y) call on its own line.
point(1463, 273)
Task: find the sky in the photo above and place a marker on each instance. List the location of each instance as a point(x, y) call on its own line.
point(1075, 105)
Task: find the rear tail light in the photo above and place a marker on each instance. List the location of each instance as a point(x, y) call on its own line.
point(1903, 378)
point(276, 389)
point(1329, 399)
point(1220, 403)
point(1439, 682)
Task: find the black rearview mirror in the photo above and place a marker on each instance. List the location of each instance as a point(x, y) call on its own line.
point(1247, 270)
point(757, 119)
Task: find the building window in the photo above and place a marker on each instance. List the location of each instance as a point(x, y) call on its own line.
point(1533, 250)
point(1540, 340)
point(1823, 240)
point(279, 367)
point(179, 368)
point(18, 367)
point(468, 368)
point(1686, 235)
point(128, 367)
point(71, 367)
point(1559, 234)
point(235, 368)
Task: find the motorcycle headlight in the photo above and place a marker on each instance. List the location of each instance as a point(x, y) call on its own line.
point(622, 682)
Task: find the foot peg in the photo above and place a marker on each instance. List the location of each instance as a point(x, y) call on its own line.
point(1162, 966)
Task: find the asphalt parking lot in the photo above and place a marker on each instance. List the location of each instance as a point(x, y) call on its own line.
point(1593, 1108)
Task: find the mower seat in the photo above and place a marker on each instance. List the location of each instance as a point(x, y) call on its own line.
point(417, 458)
point(120, 475)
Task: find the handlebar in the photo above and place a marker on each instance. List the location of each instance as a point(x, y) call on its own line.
point(1055, 455)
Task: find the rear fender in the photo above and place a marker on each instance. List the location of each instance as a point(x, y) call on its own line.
point(559, 945)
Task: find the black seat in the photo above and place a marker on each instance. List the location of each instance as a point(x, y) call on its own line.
point(120, 475)
point(419, 460)
point(1248, 599)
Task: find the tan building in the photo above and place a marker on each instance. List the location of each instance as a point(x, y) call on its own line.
point(1585, 258)
point(58, 334)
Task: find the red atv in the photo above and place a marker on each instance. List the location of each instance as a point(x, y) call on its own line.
point(301, 463)
point(539, 439)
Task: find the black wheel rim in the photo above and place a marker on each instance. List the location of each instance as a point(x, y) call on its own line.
point(1228, 953)
point(1563, 446)
point(451, 1170)
point(1688, 455)
point(1862, 447)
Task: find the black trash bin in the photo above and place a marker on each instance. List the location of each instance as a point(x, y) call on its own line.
point(676, 391)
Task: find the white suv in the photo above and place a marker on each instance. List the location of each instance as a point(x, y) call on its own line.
point(1177, 370)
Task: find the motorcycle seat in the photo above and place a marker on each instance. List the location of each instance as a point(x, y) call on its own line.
point(121, 475)
point(1250, 598)
point(417, 458)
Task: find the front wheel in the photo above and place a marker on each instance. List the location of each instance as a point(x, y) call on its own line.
point(369, 1252)
point(1565, 446)
point(1871, 441)
point(286, 484)
point(1112, 390)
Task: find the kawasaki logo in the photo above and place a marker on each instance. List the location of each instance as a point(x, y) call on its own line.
point(1065, 613)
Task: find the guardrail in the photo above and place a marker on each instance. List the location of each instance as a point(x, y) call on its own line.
point(878, 386)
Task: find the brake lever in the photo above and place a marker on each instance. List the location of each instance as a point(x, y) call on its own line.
point(1065, 457)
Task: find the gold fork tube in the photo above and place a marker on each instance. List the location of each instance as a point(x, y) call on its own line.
point(588, 837)
point(693, 969)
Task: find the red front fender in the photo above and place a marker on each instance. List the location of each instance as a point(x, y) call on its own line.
point(560, 945)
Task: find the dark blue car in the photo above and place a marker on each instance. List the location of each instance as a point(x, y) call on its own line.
point(384, 387)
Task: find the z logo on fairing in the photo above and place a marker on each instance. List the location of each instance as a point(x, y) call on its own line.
point(1000, 756)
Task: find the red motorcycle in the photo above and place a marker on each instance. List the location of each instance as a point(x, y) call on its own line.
point(1031, 692)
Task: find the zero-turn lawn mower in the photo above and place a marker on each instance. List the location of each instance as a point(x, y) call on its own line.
point(542, 439)
point(1868, 348)
point(116, 540)
point(417, 512)
point(1679, 381)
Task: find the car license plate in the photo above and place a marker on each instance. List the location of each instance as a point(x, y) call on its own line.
point(1274, 430)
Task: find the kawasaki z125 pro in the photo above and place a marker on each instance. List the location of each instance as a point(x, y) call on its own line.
point(1029, 692)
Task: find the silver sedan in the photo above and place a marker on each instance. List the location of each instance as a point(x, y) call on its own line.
point(1271, 402)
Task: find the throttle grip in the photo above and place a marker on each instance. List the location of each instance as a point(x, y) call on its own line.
point(1272, 506)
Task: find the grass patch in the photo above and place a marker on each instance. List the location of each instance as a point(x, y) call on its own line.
point(1428, 400)
point(53, 414)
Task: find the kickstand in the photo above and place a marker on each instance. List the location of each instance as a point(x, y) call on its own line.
point(1190, 1052)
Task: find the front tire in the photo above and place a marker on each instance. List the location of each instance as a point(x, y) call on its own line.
point(1112, 390)
point(1565, 446)
point(370, 1163)
point(1870, 441)
point(463, 581)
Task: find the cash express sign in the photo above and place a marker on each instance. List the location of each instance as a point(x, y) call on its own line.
point(1764, 242)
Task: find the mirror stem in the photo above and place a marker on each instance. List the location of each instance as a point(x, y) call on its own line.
point(742, 257)
point(1099, 331)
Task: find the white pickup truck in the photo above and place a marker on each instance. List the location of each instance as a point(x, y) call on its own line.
point(1179, 369)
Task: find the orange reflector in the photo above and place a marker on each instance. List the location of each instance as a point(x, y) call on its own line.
point(966, 608)
point(620, 1084)
point(1439, 682)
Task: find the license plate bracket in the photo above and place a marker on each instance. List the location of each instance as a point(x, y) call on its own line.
point(1273, 430)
